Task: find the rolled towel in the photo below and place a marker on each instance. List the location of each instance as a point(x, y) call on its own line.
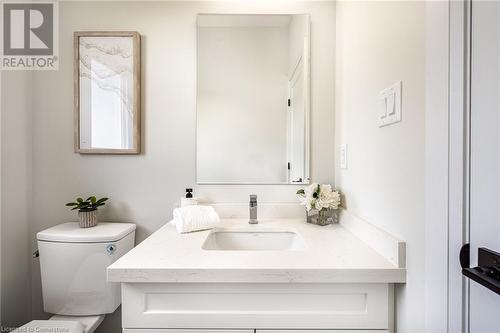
point(194, 218)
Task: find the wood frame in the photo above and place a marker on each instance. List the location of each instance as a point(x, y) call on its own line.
point(136, 37)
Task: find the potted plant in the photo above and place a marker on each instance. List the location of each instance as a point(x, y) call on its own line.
point(87, 210)
point(322, 203)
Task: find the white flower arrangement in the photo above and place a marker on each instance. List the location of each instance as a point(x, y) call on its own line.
point(319, 197)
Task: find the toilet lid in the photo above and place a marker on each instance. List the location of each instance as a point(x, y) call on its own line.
point(72, 233)
point(55, 325)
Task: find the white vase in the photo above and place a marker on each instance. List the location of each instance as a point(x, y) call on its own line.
point(87, 218)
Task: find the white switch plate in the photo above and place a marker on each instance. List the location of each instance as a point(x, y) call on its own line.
point(390, 105)
point(343, 156)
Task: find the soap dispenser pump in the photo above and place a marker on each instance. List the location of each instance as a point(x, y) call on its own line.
point(189, 193)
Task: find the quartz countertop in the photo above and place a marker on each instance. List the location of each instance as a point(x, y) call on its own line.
point(332, 254)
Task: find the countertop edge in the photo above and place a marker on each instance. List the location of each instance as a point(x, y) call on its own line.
point(340, 275)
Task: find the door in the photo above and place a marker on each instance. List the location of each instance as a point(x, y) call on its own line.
point(297, 125)
point(484, 228)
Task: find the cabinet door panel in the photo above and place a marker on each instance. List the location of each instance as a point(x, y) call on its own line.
point(259, 306)
point(183, 331)
point(322, 331)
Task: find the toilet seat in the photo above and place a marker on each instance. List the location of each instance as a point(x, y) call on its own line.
point(69, 324)
point(89, 323)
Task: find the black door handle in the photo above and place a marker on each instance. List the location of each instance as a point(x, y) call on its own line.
point(487, 273)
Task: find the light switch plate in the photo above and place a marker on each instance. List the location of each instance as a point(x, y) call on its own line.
point(389, 108)
point(343, 156)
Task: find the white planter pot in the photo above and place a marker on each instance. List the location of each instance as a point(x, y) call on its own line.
point(87, 218)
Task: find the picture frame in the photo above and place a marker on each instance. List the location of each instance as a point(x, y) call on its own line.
point(107, 87)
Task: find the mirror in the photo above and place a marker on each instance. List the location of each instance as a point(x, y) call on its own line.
point(253, 99)
point(107, 92)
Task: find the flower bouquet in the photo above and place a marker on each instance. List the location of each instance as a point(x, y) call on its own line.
point(322, 203)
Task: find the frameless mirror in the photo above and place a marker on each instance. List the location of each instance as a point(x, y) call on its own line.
point(107, 92)
point(253, 99)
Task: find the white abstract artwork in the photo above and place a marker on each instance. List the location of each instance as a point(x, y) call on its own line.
point(106, 92)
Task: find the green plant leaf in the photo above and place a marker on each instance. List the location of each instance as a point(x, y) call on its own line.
point(79, 200)
point(301, 191)
point(72, 204)
point(101, 200)
point(92, 199)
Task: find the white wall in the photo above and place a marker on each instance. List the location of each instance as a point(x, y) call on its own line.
point(16, 170)
point(144, 188)
point(241, 104)
point(378, 44)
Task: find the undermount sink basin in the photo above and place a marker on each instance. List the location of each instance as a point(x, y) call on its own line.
point(252, 239)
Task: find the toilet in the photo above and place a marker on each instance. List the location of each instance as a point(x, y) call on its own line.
point(73, 264)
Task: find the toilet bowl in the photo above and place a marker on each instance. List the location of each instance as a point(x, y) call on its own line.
point(79, 295)
point(67, 324)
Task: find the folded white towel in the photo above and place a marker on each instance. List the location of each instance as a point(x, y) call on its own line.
point(193, 218)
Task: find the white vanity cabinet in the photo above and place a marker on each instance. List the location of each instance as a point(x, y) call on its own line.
point(335, 284)
point(320, 331)
point(187, 331)
point(264, 307)
point(249, 331)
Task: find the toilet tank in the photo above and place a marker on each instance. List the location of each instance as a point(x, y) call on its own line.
point(73, 264)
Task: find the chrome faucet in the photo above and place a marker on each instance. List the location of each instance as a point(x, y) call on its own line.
point(253, 209)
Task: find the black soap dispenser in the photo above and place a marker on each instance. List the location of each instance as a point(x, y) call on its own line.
point(189, 200)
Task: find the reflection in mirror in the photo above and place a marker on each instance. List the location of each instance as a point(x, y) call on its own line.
point(107, 105)
point(253, 99)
